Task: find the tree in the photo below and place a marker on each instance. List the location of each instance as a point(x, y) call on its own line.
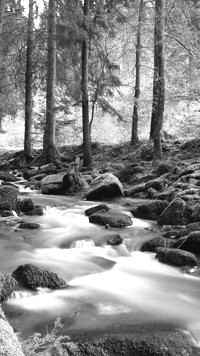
point(2, 9)
point(135, 118)
point(49, 147)
point(87, 157)
point(158, 80)
point(29, 85)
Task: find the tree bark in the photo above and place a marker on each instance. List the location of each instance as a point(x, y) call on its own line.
point(135, 118)
point(158, 80)
point(49, 147)
point(2, 10)
point(87, 157)
point(29, 86)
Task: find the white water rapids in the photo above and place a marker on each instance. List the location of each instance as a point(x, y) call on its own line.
point(108, 285)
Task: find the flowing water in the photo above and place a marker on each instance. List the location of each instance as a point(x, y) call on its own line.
point(109, 286)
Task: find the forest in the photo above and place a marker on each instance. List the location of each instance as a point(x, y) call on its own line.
point(99, 178)
point(71, 72)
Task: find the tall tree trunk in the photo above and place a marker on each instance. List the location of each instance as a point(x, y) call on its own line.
point(49, 147)
point(2, 9)
point(87, 157)
point(158, 80)
point(29, 85)
point(135, 118)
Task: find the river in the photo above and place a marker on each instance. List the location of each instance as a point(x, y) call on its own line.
point(109, 286)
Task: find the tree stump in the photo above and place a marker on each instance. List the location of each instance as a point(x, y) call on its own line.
point(73, 181)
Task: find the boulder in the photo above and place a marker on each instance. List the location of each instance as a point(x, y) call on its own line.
point(9, 343)
point(8, 177)
point(191, 243)
point(114, 239)
point(158, 184)
point(53, 184)
point(7, 286)
point(144, 343)
point(38, 210)
point(111, 218)
point(32, 277)
point(8, 197)
point(24, 225)
point(138, 188)
point(4, 213)
point(186, 230)
point(156, 242)
point(105, 186)
point(94, 209)
point(150, 210)
point(26, 205)
point(176, 257)
point(167, 194)
point(176, 213)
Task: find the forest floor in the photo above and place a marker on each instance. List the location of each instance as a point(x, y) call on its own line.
point(106, 157)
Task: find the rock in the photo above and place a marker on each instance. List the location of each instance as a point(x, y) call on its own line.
point(27, 225)
point(186, 230)
point(8, 177)
point(191, 243)
point(38, 210)
point(190, 169)
point(7, 286)
point(53, 184)
point(126, 173)
point(26, 205)
point(176, 213)
point(32, 277)
point(11, 184)
point(9, 343)
point(163, 167)
point(8, 197)
point(144, 343)
point(142, 178)
point(94, 209)
point(167, 194)
point(74, 182)
point(134, 190)
point(105, 186)
point(112, 218)
point(176, 257)
point(158, 184)
point(156, 242)
point(114, 239)
point(151, 210)
point(152, 193)
point(6, 213)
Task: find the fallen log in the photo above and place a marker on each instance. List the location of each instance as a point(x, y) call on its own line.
point(48, 169)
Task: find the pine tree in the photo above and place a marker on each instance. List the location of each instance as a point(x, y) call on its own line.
point(135, 118)
point(29, 85)
point(87, 157)
point(158, 80)
point(49, 146)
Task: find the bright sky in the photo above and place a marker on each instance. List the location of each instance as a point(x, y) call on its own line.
point(25, 3)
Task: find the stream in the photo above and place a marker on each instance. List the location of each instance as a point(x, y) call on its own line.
point(108, 286)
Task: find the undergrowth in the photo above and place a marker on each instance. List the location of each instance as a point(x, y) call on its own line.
point(46, 345)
